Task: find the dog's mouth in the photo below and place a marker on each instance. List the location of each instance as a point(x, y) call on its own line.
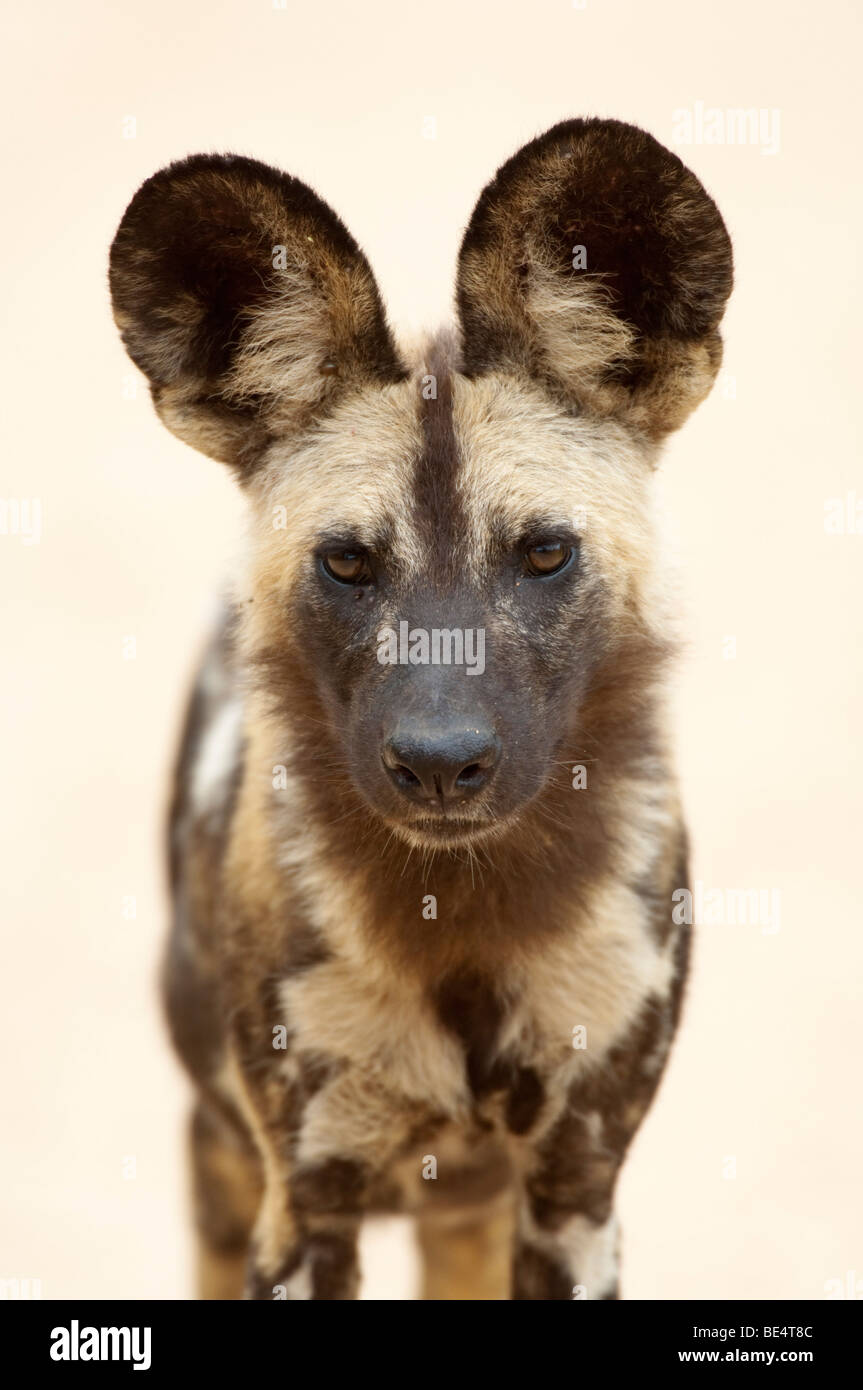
point(447, 830)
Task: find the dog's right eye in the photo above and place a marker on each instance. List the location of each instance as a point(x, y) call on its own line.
point(347, 566)
point(548, 558)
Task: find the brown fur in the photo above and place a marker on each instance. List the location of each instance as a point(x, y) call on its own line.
point(236, 347)
point(635, 332)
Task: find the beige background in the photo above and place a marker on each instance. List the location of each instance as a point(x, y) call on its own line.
point(137, 530)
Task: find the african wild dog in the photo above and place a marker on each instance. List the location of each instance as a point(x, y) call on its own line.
point(389, 868)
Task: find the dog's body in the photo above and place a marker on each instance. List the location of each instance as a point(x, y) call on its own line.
point(424, 956)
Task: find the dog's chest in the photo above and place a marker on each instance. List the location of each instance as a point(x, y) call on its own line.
point(470, 1047)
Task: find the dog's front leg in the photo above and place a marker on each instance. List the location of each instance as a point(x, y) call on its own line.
point(566, 1243)
point(577, 1261)
point(567, 1237)
point(325, 1148)
point(305, 1240)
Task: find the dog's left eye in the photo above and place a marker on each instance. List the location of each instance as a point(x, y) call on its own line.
point(347, 566)
point(547, 559)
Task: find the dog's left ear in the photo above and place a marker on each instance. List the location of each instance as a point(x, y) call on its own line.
point(596, 262)
point(246, 302)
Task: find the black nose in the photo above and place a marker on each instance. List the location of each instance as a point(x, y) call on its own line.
point(435, 763)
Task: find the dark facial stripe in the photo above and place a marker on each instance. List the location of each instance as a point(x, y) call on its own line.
point(437, 508)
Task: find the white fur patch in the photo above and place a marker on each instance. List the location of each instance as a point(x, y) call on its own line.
point(592, 1254)
point(217, 756)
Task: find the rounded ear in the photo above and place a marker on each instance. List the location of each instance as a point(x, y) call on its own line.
point(245, 301)
point(596, 262)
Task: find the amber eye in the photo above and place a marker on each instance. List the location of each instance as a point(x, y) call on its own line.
point(347, 566)
point(547, 559)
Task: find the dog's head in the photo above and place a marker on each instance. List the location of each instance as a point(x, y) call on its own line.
point(454, 568)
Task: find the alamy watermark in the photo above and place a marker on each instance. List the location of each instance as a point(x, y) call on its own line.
point(77, 1343)
point(843, 516)
point(728, 907)
point(438, 646)
point(736, 125)
point(21, 516)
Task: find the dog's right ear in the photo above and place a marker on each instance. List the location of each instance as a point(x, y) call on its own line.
point(246, 302)
point(596, 262)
